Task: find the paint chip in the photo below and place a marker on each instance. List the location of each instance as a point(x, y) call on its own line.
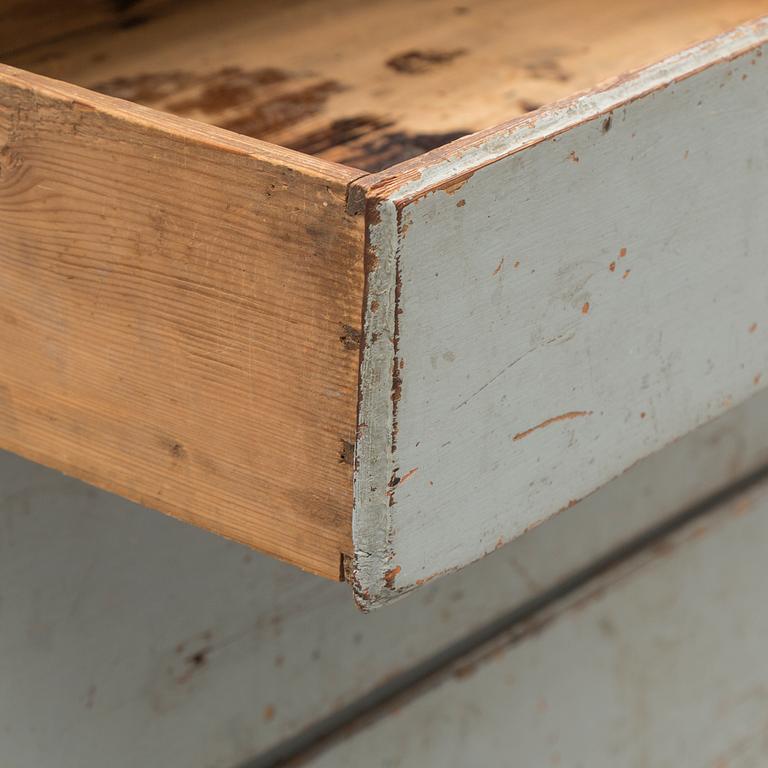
point(585, 308)
point(390, 575)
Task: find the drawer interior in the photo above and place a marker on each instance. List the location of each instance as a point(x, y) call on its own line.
point(363, 84)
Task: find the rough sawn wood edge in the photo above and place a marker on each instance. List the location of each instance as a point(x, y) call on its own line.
point(381, 198)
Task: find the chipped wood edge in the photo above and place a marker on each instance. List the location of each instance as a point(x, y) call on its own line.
point(382, 197)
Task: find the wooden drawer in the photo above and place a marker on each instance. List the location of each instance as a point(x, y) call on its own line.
point(268, 269)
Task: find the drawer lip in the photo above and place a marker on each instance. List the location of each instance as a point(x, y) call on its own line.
point(379, 577)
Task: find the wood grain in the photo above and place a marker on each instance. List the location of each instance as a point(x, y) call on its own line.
point(555, 299)
point(176, 314)
point(373, 84)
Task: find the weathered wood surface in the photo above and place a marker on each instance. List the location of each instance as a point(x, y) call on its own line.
point(129, 639)
point(366, 84)
point(553, 300)
point(661, 663)
point(178, 308)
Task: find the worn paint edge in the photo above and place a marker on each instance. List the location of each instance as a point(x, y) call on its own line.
point(376, 425)
point(412, 179)
point(373, 569)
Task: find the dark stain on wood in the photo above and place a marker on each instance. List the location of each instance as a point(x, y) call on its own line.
point(350, 337)
point(256, 103)
point(529, 106)
point(174, 448)
point(339, 133)
point(270, 104)
point(283, 111)
point(382, 150)
point(347, 453)
point(419, 62)
point(545, 65)
point(230, 87)
point(147, 89)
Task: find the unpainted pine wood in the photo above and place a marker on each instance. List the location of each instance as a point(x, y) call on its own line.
point(178, 317)
point(554, 300)
point(372, 84)
point(159, 661)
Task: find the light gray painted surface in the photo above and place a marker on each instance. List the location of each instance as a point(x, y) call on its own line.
point(559, 300)
point(662, 665)
point(104, 606)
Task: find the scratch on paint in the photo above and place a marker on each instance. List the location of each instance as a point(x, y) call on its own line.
point(408, 474)
point(498, 375)
point(498, 269)
point(547, 422)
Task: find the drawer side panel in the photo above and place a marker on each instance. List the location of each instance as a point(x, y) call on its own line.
point(556, 302)
point(178, 316)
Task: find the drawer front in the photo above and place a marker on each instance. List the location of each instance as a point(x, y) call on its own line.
point(552, 301)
